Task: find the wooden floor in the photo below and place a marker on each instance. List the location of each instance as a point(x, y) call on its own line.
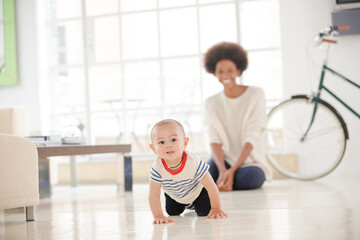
point(283, 209)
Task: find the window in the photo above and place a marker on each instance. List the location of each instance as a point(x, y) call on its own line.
point(122, 65)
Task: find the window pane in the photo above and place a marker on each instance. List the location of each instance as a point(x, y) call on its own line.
point(191, 119)
point(172, 3)
point(179, 34)
point(211, 85)
point(106, 128)
point(67, 8)
point(213, 1)
point(181, 82)
point(137, 5)
point(69, 91)
point(105, 87)
point(70, 125)
point(70, 42)
point(264, 30)
point(219, 28)
point(111, 127)
point(140, 35)
point(196, 132)
point(97, 7)
point(265, 71)
point(107, 39)
point(142, 85)
point(139, 124)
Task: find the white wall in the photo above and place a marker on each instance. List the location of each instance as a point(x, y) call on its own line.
point(300, 20)
point(26, 92)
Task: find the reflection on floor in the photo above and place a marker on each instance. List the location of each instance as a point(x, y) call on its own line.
point(283, 209)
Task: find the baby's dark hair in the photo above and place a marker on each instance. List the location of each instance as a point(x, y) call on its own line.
point(163, 122)
point(225, 51)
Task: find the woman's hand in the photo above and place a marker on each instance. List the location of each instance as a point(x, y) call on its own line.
point(162, 220)
point(227, 180)
point(220, 179)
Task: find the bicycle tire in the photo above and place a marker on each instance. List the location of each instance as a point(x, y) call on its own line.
point(323, 149)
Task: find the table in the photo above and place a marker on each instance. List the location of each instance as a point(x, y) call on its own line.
point(123, 163)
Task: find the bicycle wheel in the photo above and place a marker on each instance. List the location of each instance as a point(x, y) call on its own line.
point(319, 153)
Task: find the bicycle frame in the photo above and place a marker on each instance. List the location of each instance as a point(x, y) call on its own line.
point(321, 87)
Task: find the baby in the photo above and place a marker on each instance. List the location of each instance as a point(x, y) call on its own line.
point(182, 175)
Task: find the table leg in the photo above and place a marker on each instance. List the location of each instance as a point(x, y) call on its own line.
point(124, 173)
point(44, 178)
point(120, 180)
point(74, 179)
point(128, 173)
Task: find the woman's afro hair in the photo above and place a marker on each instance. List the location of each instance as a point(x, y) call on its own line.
point(225, 51)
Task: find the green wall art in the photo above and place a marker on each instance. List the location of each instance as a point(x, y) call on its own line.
point(8, 61)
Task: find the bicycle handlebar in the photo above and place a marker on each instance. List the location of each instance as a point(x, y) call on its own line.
point(331, 31)
point(327, 31)
point(341, 28)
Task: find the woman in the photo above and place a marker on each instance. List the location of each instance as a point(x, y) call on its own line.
point(235, 119)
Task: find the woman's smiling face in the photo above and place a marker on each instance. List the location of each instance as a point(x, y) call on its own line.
point(226, 72)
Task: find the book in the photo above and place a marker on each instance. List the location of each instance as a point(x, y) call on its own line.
point(73, 140)
point(45, 140)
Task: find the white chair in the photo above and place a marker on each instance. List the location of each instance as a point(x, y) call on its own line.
point(14, 121)
point(19, 181)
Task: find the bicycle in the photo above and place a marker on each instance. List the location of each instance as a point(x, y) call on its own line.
point(306, 136)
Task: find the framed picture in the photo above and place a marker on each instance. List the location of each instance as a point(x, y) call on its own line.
point(8, 59)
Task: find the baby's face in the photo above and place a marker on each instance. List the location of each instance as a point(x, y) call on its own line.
point(169, 142)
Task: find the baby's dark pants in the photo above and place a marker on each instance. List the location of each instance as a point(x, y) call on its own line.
point(201, 204)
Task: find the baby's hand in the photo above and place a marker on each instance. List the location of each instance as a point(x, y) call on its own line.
point(216, 213)
point(162, 220)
